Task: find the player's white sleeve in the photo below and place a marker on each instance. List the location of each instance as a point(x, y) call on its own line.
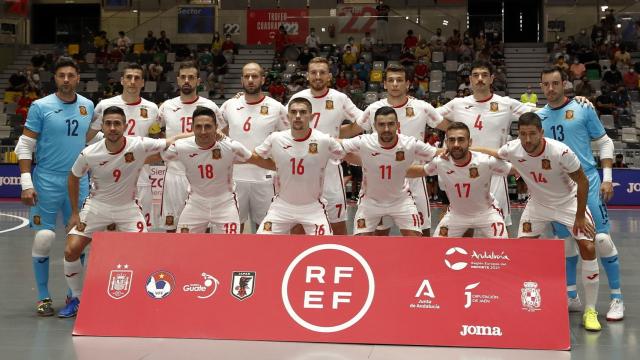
point(352, 145)
point(335, 149)
point(170, 153)
point(25, 147)
point(434, 118)
point(351, 111)
point(518, 108)
point(81, 166)
point(431, 169)
point(503, 152)
point(264, 149)
point(283, 120)
point(153, 146)
point(568, 160)
point(446, 109)
point(240, 153)
point(96, 122)
point(99, 136)
point(605, 145)
point(424, 151)
point(498, 166)
point(365, 121)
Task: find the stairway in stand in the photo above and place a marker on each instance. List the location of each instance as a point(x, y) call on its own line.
point(524, 62)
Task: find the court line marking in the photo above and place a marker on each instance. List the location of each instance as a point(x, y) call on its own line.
point(25, 222)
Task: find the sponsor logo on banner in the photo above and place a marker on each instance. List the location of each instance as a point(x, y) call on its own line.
point(457, 265)
point(479, 259)
point(530, 296)
point(205, 290)
point(120, 282)
point(426, 297)
point(243, 284)
point(472, 297)
point(160, 284)
point(480, 330)
point(328, 288)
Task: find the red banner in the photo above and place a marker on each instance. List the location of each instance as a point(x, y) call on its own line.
point(263, 24)
point(374, 290)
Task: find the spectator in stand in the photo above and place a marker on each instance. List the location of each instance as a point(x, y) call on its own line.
point(610, 21)
point(460, 93)
point(362, 70)
point(382, 28)
point(479, 42)
point(529, 97)
point(100, 42)
point(281, 40)
point(355, 48)
point(464, 69)
point(619, 163)
point(423, 51)
point(367, 42)
point(33, 81)
point(349, 57)
point(577, 70)
point(410, 41)
point(629, 35)
point(304, 57)
point(421, 71)
point(583, 40)
point(584, 88)
point(621, 100)
point(437, 36)
point(356, 91)
point(568, 89)
point(18, 81)
point(500, 80)
point(123, 43)
point(494, 37)
point(228, 48)
point(313, 42)
point(612, 77)
point(622, 56)
point(465, 84)
point(408, 60)
point(454, 42)
point(155, 71)
point(561, 63)
point(381, 51)
point(466, 49)
point(438, 47)
point(630, 79)
point(296, 84)
point(604, 103)
point(497, 57)
point(150, 43)
point(342, 83)
point(205, 60)
point(163, 43)
point(278, 91)
point(220, 69)
point(216, 43)
point(24, 102)
point(597, 33)
point(467, 92)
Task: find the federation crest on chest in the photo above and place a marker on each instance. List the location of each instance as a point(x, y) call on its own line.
point(409, 111)
point(493, 106)
point(264, 110)
point(83, 110)
point(400, 155)
point(546, 164)
point(216, 154)
point(313, 148)
point(473, 172)
point(568, 115)
point(144, 113)
point(129, 158)
point(328, 104)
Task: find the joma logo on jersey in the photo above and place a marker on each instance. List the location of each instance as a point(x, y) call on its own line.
point(479, 330)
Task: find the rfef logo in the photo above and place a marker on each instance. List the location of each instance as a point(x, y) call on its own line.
point(328, 288)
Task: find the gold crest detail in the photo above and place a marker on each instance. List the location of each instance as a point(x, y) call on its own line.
point(80, 227)
point(473, 172)
point(313, 148)
point(184, 230)
point(128, 157)
point(83, 110)
point(267, 226)
point(546, 164)
point(264, 110)
point(216, 154)
point(362, 223)
point(568, 114)
point(400, 155)
point(144, 113)
point(36, 220)
point(444, 231)
point(493, 106)
point(328, 105)
point(168, 220)
point(526, 227)
point(409, 111)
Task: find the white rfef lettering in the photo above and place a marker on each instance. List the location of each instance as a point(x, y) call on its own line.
point(478, 330)
point(633, 187)
point(313, 299)
point(340, 297)
point(315, 272)
point(425, 290)
point(342, 272)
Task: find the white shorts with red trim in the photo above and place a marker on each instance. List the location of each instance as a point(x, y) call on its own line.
point(500, 192)
point(403, 212)
point(174, 194)
point(333, 193)
point(488, 224)
point(220, 214)
point(99, 216)
point(254, 199)
point(536, 216)
point(283, 216)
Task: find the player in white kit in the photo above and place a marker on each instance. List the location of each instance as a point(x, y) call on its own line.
point(558, 191)
point(141, 114)
point(251, 118)
point(115, 163)
point(208, 159)
point(175, 116)
point(386, 156)
point(301, 156)
point(330, 109)
point(466, 178)
point(413, 116)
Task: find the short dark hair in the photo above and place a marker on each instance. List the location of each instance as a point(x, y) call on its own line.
point(64, 61)
point(301, 100)
point(187, 65)
point(478, 64)
point(204, 111)
point(133, 66)
point(385, 110)
point(457, 125)
point(552, 69)
point(114, 110)
point(394, 68)
point(530, 118)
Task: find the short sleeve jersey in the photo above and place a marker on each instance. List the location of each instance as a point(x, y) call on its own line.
point(329, 110)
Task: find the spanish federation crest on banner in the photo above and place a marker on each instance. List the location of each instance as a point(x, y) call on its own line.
point(83, 110)
point(243, 284)
point(120, 280)
point(530, 296)
point(328, 105)
point(361, 223)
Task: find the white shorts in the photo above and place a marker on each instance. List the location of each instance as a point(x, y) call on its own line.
point(500, 192)
point(99, 216)
point(418, 187)
point(403, 212)
point(536, 216)
point(283, 216)
point(333, 193)
point(220, 214)
point(254, 199)
point(144, 196)
point(490, 224)
point(174, 194)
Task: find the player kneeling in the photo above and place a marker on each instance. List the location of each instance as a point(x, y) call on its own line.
point(115, 163)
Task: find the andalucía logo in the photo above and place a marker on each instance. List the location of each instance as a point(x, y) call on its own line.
point(160, 284)
point(243, 284)
point(119, 282)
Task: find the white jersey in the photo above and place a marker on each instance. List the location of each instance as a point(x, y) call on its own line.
point(300, 164)
point(384, 169)
point(176, 116)
point(210, 170)
point(489, 120)
point(546, 175)
point(468, 186)
point(114, 175)
point(330, 110)
point(250, 124)
point(414, 116)
point(140, 116)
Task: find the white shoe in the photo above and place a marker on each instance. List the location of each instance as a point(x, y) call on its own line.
point(575, 305)
point(616, 310)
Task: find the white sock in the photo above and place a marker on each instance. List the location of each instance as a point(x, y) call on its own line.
point(590, 280)
point(73, 272)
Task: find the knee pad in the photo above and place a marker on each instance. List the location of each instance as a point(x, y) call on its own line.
point(42, 243)
point(605, 246)
point(570, 247)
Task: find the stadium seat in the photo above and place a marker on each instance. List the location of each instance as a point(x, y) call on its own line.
point(437, 57)
point(370, 97)
point(378, 65)
point(73, 49)
point(375, 76)
point(452, 85)
point(451, 65)
point(90, 58)
point(171, 58)
point(436, 75)
point(629, 135)
point(607, 121)
point(138, 48)
point(605, 63)
point(92, 86)
point(150, 86)
point(291, 67)
point(450, 94)
point(435, 86)
point(10, 108)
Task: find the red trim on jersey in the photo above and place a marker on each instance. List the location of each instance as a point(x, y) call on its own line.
point(124, 145)
point(426, 195)
point(138, 102)
point(305, 138)
point(392, 146)
point(566, 101)
point(544, 145)
point(466, 163)
point(401, 105)
point(323, 95)
point(256, 102)
point(485, 100)
point(191, 102)
point(210, 147)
